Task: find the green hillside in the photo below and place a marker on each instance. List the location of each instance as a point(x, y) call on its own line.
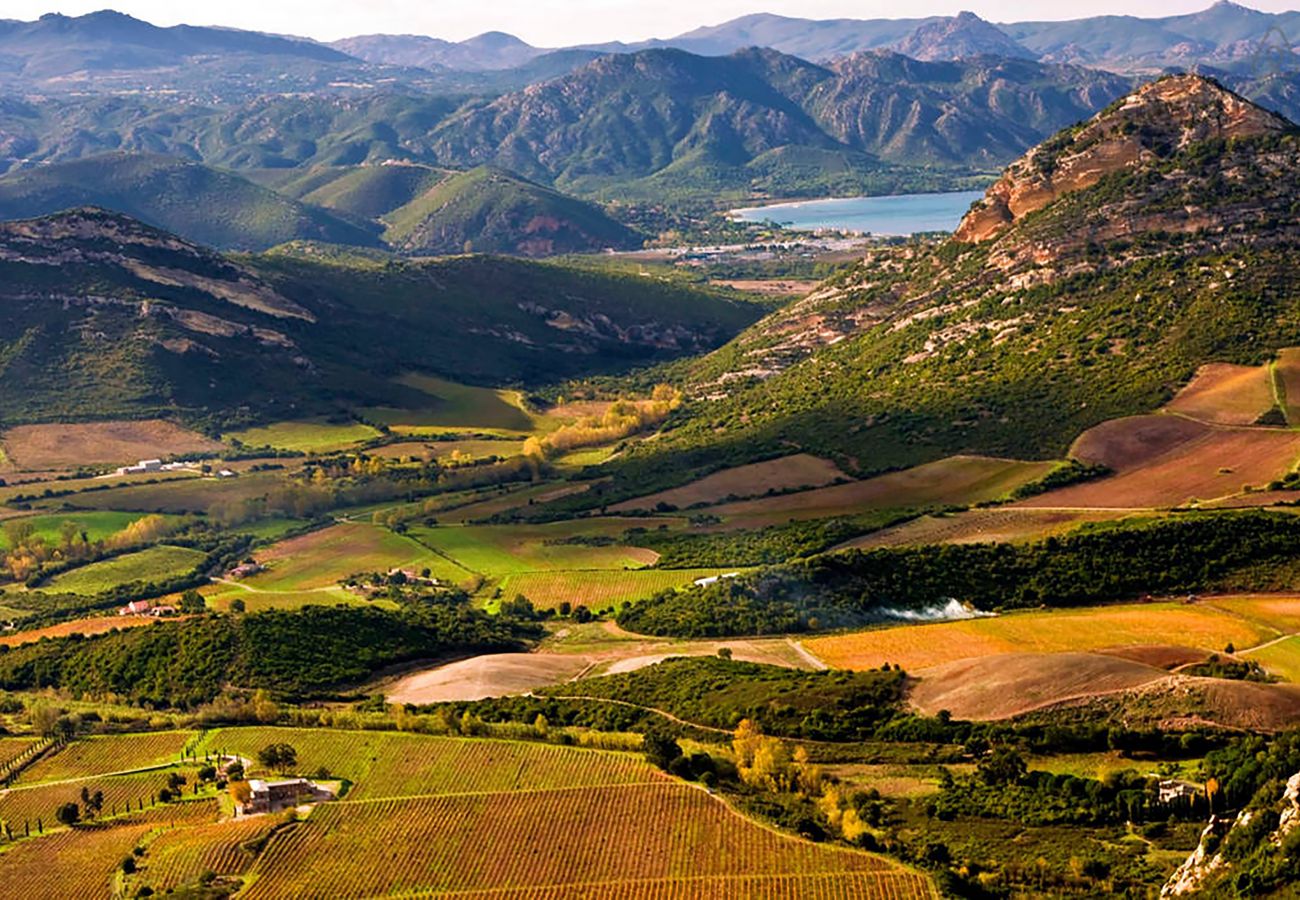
point(136, 322)
point(199, 203)
point(369, 192)
point(1098, 305)
point(488, 210)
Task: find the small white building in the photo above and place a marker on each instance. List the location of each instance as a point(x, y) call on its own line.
point(714, 579)
point(135, 608)
point(270, 796)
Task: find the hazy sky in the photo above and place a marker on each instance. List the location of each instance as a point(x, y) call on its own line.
point(561, 22)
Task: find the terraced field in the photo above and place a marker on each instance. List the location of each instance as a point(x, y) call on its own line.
point(155, 564)
point(1286, 372)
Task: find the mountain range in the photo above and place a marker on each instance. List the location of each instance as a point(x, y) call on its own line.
point(1226, 35)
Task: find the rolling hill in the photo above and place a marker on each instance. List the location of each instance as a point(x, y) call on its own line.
point(1104, 268)
point(490, 211)
point(202, 204)
point(103, 316)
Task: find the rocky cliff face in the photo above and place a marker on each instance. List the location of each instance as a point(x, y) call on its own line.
point(1151, 124)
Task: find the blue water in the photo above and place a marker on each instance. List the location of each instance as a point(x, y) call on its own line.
point(900, 214)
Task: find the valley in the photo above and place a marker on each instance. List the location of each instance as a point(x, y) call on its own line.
point(417, 478)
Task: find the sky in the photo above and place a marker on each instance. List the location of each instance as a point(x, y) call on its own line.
point(557, 23)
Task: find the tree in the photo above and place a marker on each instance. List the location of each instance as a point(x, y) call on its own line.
point(660, 750)
point(240, 792)
point(280, 757)
point(43, 716)
point(1003, 766)
point(68, 814)
point(192, 602)
point(237, 605)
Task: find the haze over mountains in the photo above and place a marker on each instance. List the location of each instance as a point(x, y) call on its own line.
point(762, 106)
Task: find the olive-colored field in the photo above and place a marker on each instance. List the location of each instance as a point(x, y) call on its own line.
point(957, 480)
point(455, 407)
point(496, 550)
point(788, 473)
point(1000, 524)
point(323, 558)
point(87, 627)
point(94, 525)
point(575, 837)
point(1226, 394)
point(55, 447)
point(1179, 465)
point(598, 589)
point(306, 435)
point(916, 647)
point(154, 564)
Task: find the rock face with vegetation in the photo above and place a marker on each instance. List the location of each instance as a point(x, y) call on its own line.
point(1158, 121)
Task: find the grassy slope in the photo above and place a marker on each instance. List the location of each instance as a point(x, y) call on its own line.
point(203, 204)
point(489, 210)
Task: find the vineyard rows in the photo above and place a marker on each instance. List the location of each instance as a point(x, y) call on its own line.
point(17, 753)
point(70, 863)
point(613, 834)
point(897, 885)
point(387, 764)
point(184, 854)
point(103, 755)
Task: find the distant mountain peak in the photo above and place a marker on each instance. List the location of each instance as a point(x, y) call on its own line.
point(958, 37)
point(1157, 120)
